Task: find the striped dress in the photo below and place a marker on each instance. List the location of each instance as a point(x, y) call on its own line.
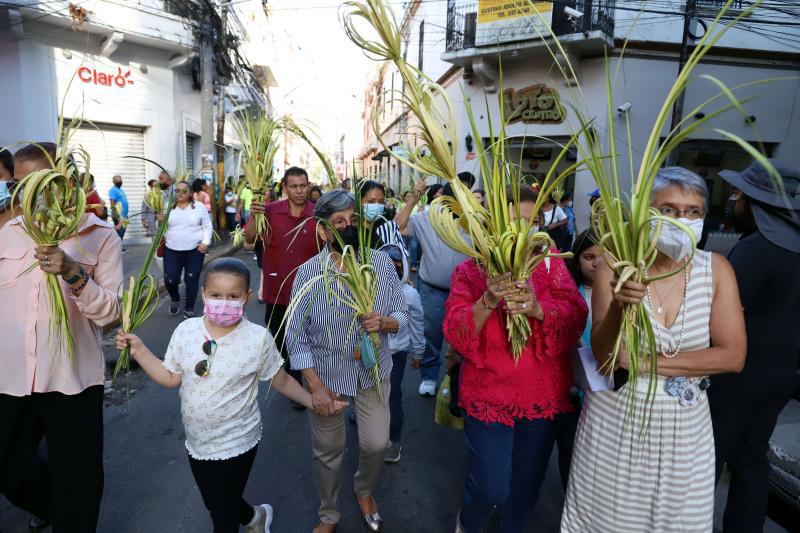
point(661, 481)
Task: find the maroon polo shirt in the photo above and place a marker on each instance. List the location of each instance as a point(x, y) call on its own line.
point(286, 248)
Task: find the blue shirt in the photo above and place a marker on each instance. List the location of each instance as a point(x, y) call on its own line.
point(116, 194)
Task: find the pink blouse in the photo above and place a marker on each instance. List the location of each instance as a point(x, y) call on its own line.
point(30, 362)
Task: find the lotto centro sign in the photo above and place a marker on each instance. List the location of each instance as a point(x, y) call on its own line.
point(94, 76)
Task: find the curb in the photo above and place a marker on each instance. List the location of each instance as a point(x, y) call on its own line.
point(222, 251)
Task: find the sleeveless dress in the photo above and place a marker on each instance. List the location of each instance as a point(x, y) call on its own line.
point(662, 479)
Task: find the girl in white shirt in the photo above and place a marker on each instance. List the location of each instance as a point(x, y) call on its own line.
point(217, 361)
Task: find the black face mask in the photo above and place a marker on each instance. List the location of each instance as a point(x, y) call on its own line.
point(163, 186)
point(730, 209)
point(349, 237)
point(118, 184)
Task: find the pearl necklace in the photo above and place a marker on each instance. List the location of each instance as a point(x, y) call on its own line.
point(659, 344)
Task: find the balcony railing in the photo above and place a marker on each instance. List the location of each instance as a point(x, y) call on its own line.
point(463, 28)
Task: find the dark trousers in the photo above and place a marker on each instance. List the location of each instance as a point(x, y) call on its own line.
point(566, 425)
point(741, 439)
point(506, 468)
point(274, 319)
point(186, 262)
point(121, 232)
point(399, 360)
point(221, 483)
point(67, 488)
point(230, 219)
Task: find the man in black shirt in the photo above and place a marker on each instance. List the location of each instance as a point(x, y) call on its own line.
point(745, 406)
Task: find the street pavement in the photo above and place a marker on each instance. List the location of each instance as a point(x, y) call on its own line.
point(149, 487)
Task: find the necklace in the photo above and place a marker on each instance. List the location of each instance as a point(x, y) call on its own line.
point(659, 344)
point(660, 308)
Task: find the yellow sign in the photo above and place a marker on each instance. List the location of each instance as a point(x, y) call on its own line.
point(501, 10)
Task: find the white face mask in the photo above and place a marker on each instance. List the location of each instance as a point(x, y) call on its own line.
point(674, 242)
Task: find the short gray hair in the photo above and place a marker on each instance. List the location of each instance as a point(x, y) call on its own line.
point(333, 202)
point(686, 180)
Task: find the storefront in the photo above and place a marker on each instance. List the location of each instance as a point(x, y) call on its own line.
point(133, 102)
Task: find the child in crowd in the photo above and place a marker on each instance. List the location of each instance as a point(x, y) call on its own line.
point(405, 341)
point(217, 361)
point(582, 266)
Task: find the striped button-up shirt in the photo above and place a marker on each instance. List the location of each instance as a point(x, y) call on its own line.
point(389, 233)
point(323, 332)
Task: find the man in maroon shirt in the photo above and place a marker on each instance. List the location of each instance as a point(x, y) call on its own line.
point(291, 240)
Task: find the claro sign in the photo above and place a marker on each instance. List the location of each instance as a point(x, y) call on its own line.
point(107, 79)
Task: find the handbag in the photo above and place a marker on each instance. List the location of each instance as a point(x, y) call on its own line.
point(442, 415)
point(161, 247)
point(368, 351)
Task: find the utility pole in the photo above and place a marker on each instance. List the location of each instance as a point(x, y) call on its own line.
point(221, 220)
point(677, 107)
point(207, 108)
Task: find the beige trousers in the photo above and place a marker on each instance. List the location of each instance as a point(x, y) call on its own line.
point(328, 443)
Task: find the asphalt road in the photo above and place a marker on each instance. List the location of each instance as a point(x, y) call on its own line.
point(149, 487)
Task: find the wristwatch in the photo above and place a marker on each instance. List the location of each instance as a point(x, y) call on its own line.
point(76, 278)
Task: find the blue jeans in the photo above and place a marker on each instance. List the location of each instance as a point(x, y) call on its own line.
point(506, 468)
point(412, 245)
point(433, 300)
point(399, 361)
point(188, 262)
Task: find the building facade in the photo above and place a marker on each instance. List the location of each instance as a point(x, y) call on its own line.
point(130, 72)
point(500, 58)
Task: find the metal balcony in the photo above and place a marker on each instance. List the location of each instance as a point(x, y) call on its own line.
point(465, 42)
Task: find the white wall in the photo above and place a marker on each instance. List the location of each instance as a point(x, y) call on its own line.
point(644, 83)
point(44, 77)
point(659, 27)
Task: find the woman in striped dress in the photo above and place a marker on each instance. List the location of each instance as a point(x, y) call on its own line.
point(662, 479)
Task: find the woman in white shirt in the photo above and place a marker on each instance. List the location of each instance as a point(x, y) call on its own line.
point(230, 207)
point(188, 236)
point(556, 224)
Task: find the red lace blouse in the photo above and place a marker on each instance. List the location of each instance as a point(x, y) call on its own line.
point(495, 389)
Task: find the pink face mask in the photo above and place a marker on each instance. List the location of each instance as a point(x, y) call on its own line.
point(224, 312)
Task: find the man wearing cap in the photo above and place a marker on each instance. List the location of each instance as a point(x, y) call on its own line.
point(745, 406)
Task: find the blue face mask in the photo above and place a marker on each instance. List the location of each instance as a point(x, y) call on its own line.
point(5, 196)
point(373, 211)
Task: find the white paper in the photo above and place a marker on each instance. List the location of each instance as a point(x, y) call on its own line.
point(596, 380)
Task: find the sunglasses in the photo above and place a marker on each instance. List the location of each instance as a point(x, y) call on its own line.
point(202, 367)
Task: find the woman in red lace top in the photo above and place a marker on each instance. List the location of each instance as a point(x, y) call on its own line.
point(509, 407)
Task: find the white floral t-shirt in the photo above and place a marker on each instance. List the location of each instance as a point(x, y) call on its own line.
point(220, 412)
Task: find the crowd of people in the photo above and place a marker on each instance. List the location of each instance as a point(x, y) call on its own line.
point(726, 333)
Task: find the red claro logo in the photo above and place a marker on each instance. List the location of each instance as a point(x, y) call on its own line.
point(94, 76)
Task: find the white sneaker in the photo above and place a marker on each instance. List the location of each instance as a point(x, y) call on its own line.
point(392, 454)
point(427, 388)
point(262, 519)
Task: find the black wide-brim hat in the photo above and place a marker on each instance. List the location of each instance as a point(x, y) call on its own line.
point(777, 213)
point(756, 183)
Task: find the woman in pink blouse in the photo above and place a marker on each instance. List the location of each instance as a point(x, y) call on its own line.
point(509, 405)
point(42, 392)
